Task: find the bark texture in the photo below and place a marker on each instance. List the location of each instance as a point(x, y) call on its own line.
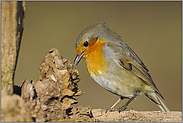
point(12, 14)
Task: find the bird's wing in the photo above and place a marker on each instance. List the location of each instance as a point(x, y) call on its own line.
point(128, 59)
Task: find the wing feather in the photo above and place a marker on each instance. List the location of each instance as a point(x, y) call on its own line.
point(128, 59)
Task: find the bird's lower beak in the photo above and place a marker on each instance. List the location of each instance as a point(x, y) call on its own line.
point(78, 58)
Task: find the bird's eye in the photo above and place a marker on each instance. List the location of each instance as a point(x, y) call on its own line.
point(85, 43)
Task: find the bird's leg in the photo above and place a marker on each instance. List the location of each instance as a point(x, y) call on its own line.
point(123, 107)
point(114, 105)
point(126, 104)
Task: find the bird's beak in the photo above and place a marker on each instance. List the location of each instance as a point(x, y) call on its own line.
point(78, 58)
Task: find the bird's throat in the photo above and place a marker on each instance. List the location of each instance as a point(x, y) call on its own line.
point(95, 60)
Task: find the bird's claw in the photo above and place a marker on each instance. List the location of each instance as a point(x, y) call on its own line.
point(115, 109)
point(118, 109)
point(108, 109)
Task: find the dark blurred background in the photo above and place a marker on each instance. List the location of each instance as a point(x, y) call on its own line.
point(151, 29)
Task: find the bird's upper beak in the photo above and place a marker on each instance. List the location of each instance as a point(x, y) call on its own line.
point(78, 58)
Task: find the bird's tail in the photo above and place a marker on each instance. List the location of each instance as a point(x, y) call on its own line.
point(155, 98)
point(162, 105)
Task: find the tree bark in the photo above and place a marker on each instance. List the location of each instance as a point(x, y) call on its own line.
point(12, 15)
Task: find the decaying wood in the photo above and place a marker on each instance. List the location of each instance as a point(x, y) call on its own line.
point(12, 14)
point(49, 97)
point(13, 108)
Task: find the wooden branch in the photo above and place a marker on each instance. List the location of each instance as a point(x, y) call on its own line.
point(136, 116)
point(11, 32)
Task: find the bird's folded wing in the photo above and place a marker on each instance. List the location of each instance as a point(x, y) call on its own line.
point(128, 59)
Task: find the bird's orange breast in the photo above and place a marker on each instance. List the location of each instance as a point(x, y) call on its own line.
point(95, 59)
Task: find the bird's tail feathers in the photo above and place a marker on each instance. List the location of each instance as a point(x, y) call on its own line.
point(155, 98)
point(162, 105)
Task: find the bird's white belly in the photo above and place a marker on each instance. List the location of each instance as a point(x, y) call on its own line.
point(123, 83)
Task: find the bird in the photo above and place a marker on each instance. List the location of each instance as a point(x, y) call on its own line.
point(115, 66)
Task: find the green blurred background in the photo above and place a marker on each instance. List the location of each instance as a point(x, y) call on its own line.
point(151, 29)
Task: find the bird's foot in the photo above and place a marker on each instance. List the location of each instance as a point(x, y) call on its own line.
point(124, 107)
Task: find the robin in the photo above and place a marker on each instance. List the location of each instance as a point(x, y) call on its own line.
point(115, 66)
